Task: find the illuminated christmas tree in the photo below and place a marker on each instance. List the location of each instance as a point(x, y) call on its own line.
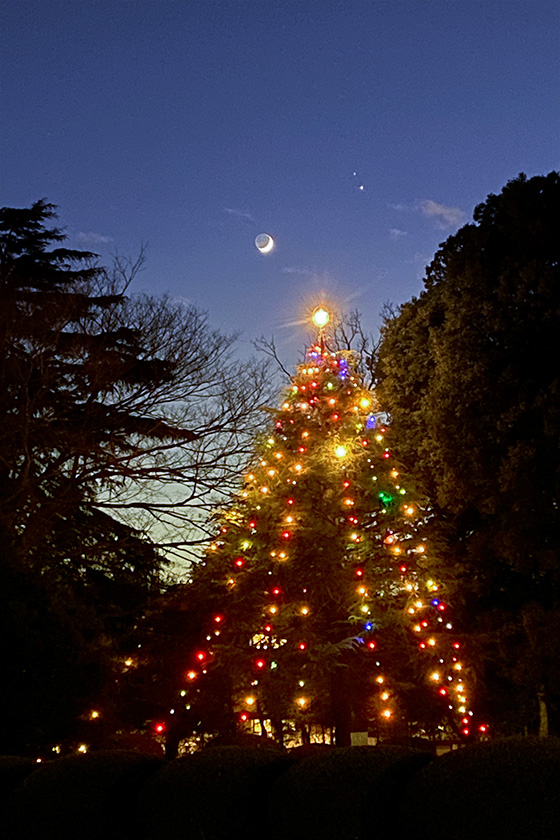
point(323, 612)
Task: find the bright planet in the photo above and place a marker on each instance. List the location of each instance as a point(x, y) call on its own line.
point(264, 243)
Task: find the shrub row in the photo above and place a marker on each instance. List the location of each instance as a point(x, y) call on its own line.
point(503, 790)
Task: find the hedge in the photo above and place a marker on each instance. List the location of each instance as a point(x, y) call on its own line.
point(347, 793)
point(90, 797)
point(501, 790)
point(217, 794)
point(13, 771)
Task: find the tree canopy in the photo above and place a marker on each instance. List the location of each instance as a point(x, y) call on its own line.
point(469, 374)
point(103, 393)
point(123, 420)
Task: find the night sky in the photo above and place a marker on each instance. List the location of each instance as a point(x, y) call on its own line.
point(358, 134)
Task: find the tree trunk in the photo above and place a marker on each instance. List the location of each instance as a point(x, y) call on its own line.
point(341, 708)
point(277, 730)
point(543, 713)
point(264, 731)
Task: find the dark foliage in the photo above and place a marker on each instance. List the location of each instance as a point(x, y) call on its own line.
point(468, 372)
point(116, 413)
point(83, 797)
point(13, 771)
point(344, 793)
point(506, 790)
point(217, 794)
point(50, 659)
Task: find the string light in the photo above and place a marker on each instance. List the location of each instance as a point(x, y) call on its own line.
point(326, 390)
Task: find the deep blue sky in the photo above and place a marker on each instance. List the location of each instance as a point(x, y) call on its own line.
point(195, 125)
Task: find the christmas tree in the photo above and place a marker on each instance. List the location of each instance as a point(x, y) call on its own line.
point(323, 614)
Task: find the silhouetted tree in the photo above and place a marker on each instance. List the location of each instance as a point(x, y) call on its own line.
point(468, 372)
point(121, 418)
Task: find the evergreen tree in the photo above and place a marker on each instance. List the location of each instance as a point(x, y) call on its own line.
point(101, 393)
point(106, 401)
point(469, 374)
point(318, 585)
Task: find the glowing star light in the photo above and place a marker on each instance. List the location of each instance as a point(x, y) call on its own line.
point(320, 317)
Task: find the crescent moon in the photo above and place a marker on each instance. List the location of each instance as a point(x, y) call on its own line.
point(264, 243)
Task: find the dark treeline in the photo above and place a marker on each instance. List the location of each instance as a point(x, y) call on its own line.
point(469, 374)
point(118, 412)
